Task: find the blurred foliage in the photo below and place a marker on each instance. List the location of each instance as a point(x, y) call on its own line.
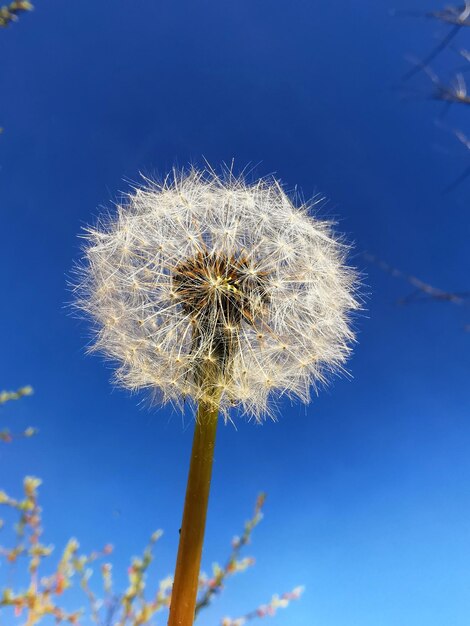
point(233, 564)
point(9, 12)
point(5, 396)
point(44, 594)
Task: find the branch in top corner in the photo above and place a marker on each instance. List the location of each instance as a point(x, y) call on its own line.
point(9, 12)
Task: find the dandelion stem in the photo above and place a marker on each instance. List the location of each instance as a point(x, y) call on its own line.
point(185, 586)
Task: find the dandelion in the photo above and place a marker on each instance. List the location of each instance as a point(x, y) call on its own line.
point(203, 288)
point(226, 294)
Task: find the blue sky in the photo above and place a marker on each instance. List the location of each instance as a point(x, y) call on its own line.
point(368, 499)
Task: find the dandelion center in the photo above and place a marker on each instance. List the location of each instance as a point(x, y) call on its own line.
point(218, 293)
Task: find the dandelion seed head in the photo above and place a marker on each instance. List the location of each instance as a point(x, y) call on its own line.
point(206, 285)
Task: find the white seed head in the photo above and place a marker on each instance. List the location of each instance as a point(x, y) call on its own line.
point(206, 286)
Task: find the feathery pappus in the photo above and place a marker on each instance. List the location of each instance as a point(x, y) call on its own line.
point(207, 287)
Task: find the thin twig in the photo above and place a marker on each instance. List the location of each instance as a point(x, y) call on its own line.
point(458, 17)
point(423, 290)
point(214, 585)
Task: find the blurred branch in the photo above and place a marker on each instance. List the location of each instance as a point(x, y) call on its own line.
point(42, 598)
point(456, 16)
point(37, 601)
point(422, 290)
point(9, 12)
point(455, 92)
point(270, 609)
point(433, 54)
point(7, 437)
point(233, 564)
point(6, 396)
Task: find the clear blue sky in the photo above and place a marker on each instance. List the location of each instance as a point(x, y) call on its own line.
point(368, 487)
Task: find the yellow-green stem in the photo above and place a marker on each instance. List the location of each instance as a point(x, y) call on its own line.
point(188, 562)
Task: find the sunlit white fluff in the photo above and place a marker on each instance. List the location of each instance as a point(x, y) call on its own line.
point(205, 286)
